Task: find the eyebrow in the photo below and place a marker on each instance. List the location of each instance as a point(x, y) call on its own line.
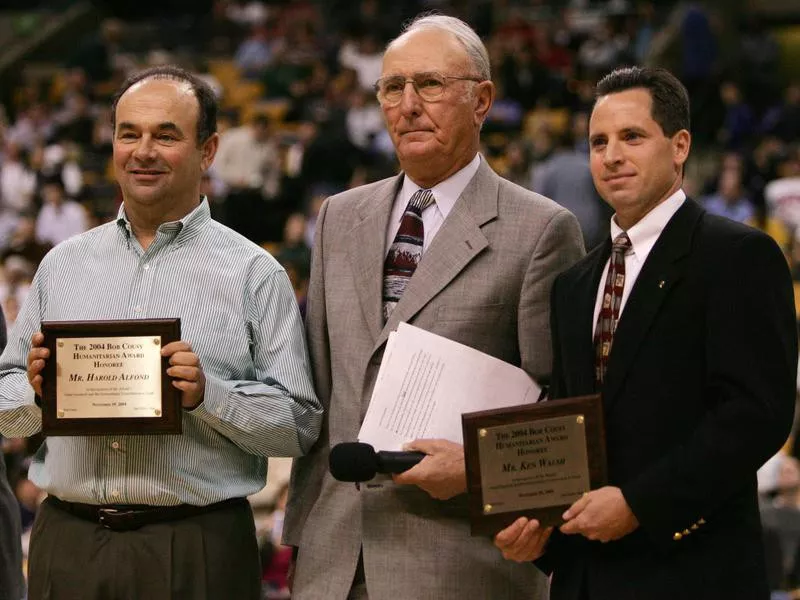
point(165, 126)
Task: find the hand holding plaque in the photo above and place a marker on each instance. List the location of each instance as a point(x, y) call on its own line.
point(532, 460)
point(107, 377)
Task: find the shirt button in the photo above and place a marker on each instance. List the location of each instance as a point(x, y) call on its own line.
point(115, 493)
point(115, 445)
point(146, 267)
point(138, 309)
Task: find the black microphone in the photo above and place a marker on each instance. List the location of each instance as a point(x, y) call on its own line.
point(357, 461)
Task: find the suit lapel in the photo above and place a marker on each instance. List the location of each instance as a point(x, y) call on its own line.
point(663, 269)
point(365, 249)
point(457, 243)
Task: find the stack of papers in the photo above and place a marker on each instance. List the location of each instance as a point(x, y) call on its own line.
point(426, 382)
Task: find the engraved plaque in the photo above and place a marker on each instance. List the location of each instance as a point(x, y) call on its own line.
point(533, 460)
point(533, 464)
point(108, 377)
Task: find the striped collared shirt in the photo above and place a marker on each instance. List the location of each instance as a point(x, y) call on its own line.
point(239, 314)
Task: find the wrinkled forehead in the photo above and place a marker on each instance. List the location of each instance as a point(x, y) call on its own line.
point(425, 51)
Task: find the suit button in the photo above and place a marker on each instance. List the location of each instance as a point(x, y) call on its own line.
point(677, 536)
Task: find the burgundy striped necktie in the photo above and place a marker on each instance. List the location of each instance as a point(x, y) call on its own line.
point(405, 251)
point(609, 309)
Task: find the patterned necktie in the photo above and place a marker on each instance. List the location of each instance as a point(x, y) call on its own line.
point(609, 309)
point(405, 251)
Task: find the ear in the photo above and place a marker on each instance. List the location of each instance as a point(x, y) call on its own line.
point(484, 97)
point(681, 143)
point(209, 150)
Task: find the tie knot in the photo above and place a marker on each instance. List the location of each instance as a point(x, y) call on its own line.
point(421, 200)
point(621, 243)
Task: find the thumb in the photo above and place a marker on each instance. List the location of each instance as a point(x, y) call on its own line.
point(427, 446)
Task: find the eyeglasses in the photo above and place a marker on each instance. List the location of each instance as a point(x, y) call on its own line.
point(429, 86)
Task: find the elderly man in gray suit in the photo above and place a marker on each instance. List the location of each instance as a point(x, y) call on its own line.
point(11, 585)
point(454, 249)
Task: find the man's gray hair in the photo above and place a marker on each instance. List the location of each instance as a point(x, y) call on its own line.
point(476, 51)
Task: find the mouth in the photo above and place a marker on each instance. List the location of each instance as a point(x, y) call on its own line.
point(413, 131)
point(617, 178)
point(146, 176)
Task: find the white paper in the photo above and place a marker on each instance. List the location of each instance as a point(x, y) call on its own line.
point(426, 382)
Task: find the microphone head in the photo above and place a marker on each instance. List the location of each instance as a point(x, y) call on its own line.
point(353, 462)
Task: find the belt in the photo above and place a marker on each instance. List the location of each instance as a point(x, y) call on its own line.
point(127, 517)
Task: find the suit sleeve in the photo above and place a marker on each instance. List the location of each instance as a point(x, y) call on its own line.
point(558, 248)
point(751, 366)
point(308, 471)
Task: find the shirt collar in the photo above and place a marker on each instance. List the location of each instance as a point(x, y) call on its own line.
point(446, 192)
point(180, 230)
point(644, 234)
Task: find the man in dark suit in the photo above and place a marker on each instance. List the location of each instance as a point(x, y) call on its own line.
point(10, 550)
point(697, 377)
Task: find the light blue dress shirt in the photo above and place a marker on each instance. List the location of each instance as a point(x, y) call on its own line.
point(239, 314)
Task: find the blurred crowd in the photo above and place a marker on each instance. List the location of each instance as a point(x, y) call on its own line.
point(300, 122)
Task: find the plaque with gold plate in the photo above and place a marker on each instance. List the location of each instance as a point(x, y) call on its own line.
point(533, 460)
point(108, 377)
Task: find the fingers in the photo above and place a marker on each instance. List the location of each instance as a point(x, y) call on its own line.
point(190, 374)
point(523, 541)
point(36, 361)
point(577, 507)
point(178, 346)
point(432, 446)
point(37, 339)
point(510, 534)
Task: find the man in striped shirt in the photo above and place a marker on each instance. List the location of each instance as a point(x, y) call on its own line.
point(241, 367)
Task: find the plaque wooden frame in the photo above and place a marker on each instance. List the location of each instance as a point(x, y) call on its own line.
point(170, 421)
point(590, 407)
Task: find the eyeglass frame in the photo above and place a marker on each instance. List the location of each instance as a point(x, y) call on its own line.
point(411, 80)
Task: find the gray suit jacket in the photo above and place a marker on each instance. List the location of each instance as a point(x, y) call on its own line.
point(10, 551)
point(484, 281)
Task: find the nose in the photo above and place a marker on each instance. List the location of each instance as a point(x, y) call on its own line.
point(410, 103)
point(613, 153)
point(145, 150)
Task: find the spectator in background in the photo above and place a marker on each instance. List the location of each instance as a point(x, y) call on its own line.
point(783, 120)
point(364, 119)
point(23, 242)
point(249, 164)
point(293, 248)
point(34, 127)
point(17, 181)
point(255, 53)
point(78, 126)
point(730, 199)
point(364, 55)
point(564, 176)
point(782, 194)
point(738, 122)
point(60, 217)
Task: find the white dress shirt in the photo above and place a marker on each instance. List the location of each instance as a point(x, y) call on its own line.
point(445, 193)
point(643, 237)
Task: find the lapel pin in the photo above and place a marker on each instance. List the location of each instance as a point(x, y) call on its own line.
point(661, 284)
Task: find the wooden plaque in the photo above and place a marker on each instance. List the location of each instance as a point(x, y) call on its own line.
point(532, 460)
point(108, 377)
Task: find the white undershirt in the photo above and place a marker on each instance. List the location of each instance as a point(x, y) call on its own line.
point(643, 236)
point(445, 193)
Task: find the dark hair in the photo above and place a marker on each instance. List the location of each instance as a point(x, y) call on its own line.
point(670, 108)
point(206, 100)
